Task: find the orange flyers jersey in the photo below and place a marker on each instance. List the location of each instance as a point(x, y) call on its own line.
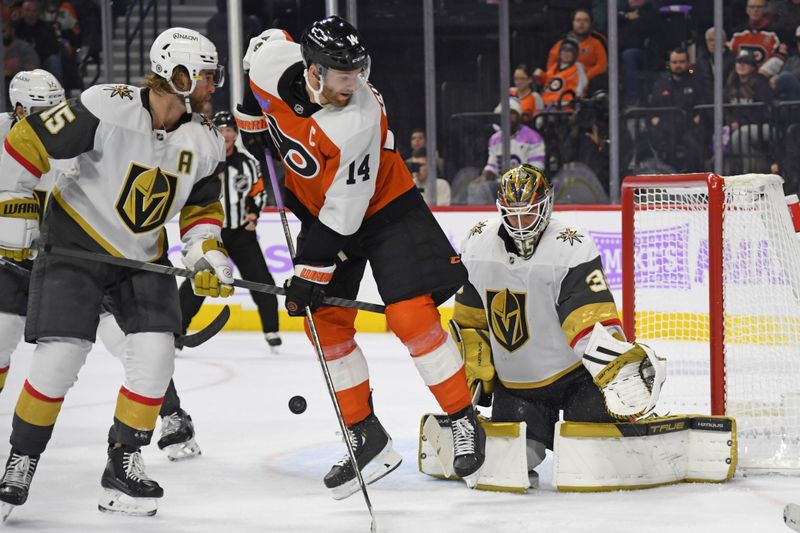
point(762, 44)
point(341, 163)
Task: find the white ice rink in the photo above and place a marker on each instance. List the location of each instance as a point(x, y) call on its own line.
point(262, 466)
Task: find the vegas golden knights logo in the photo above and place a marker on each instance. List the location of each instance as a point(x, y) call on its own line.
point(508, 318)
point(146, 198)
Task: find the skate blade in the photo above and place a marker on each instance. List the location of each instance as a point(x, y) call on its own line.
point(383, 464)
point(791, 516)
point(472, 479)
point(5, 510)
point(183, 450)
point(114, 501)
point(274, 350)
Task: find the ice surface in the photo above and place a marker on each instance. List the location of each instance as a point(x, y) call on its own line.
point(262, 466)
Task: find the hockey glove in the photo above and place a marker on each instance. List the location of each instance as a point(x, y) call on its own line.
point(629, 375)
point(213, 275)
point(307, 288)
point(19, 226)
point(476, 350)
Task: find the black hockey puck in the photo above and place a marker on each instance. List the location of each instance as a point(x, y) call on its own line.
point(297, 404)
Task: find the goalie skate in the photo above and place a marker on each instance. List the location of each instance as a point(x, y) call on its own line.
point(374, 454)
point(16, 481)
point(127, 487)
point(177, 436)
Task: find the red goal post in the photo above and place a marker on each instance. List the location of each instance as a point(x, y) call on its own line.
point(711, 280)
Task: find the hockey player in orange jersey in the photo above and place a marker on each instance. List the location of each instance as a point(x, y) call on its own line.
point(357, 202)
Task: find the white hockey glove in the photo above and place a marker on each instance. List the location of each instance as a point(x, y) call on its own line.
point(208, 259)
point(19, 226)
point(629, 375)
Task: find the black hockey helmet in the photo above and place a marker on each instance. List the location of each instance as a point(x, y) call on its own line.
point(333, 43)
point(224, 119)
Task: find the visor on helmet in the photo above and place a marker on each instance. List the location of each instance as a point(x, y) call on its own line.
point(344, 81)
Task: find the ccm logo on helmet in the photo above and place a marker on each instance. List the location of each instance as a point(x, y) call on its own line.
point(184, 36)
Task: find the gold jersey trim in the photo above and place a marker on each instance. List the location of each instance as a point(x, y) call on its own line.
point(25, 142)
point(586, 316)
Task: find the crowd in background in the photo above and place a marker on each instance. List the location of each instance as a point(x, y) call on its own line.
point(558, 91)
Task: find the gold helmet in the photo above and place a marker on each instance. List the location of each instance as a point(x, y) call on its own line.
point(525, 201)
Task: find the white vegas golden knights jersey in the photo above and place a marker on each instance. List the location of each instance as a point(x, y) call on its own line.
point(130, 179)
point(539, 311)
point(57, 167)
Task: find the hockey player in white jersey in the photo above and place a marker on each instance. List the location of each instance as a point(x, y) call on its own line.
point(536, 294)
point(143, 157)
point(29, 92)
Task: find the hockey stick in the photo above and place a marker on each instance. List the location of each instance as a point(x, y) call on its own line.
point(188, 341)
point(318, 347)
point(16, 267)
point(196, 339)
point(185, 273)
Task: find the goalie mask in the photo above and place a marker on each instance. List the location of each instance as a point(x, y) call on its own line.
point(334, 46)
point(182, 47)
point(525, 202)
point(35, 90)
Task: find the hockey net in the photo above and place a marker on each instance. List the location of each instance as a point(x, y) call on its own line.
point(716, 289)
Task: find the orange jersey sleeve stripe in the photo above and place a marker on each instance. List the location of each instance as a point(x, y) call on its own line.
point(257, 187)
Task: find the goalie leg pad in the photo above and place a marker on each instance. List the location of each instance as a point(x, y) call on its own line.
point(602, 457)
point(505, 466)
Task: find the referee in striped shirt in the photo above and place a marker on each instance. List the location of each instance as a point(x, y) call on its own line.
point(243, 195)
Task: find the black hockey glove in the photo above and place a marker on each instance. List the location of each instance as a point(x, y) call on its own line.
point(307, 288)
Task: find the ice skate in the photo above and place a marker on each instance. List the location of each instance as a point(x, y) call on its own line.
point(375, 456)
point(127, 489)
point(469, 442)
point(16, 481)
point(274, 340)
point(177, 436)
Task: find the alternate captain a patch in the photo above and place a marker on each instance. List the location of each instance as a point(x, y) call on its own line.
point(570, 235)
point(146, 198)
point(508, 318)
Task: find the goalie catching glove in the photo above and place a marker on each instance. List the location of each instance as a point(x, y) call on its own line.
point(476, 350)
point(213, 275)
point(307, 288)
point(629, 375)
point(19, 226)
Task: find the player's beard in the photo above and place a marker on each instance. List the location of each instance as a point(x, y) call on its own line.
point(197, 101)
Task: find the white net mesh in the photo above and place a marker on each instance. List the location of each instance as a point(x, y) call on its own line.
point(761, 280)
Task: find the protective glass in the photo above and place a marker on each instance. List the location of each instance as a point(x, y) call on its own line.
point(216, 75)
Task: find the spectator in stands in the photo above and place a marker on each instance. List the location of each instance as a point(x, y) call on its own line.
point(418, 165)
point(62, 16)
point(759, 37)
point(526, 146)
point(524, 90)
point(749, 127)
point(786, 84)
point(638, 23)
point(19, 55)
point(31, 28)
point(786, 16)
point(417, 141)
point(591, 46)
point(566, 80)
point(678, 131)
point(704, 66)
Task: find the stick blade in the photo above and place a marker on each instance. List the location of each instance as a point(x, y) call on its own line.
point(214, 327)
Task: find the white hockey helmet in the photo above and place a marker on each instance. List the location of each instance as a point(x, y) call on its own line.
point(188, 49)
point(35, 90)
